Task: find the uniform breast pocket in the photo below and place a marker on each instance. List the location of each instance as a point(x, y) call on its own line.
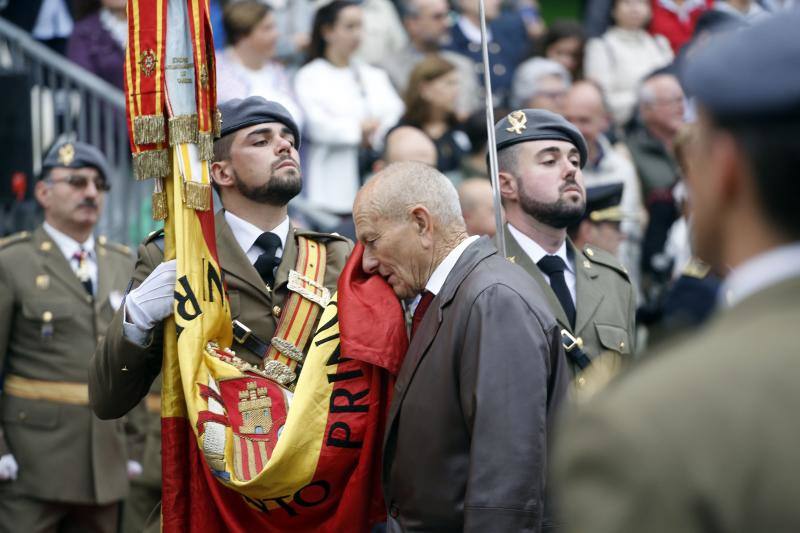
point(47, 310)
point(613, 338)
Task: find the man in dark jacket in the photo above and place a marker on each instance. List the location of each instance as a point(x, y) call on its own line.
point(466, 442)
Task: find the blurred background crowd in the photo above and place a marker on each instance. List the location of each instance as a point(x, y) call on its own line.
point(376, 81)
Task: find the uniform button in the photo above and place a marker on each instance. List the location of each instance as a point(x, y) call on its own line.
point(499, 70)
point(494, 48)
point(473, 47)
point(581, 381)
point(621, 345)
point(590, 252)
point(394, 512)
point(47, 316)
point(22, 415)
point(587, 264)
point(276, 311)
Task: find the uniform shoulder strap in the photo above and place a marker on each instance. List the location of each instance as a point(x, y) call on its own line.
point(601, 257)
point(113, 246)
point(16, 238)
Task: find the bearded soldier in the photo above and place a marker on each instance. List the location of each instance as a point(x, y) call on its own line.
point(256, 171)
point(540, 157)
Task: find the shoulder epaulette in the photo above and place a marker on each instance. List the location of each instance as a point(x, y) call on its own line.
point(15, 238)
point(319, 236)
point(601, 257)
point(115, 246)
point(156, 237)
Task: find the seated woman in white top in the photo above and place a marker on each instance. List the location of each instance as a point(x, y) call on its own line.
point(624, 55)
point(348, 106)
point(247, 67)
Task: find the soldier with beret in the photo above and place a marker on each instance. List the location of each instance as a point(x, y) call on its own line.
point(600, 224)
point(256, 171)
point(61, 468)
point(540, 156)
point(703, 436)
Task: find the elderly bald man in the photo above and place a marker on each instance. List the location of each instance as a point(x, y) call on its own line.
point(466, 441)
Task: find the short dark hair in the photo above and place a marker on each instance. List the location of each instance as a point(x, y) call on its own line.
point(239, 18)
point(325, 17)
point(222, 152)
point(770, 148)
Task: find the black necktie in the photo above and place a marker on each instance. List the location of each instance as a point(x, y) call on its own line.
point(267, 261)
point(553, 266)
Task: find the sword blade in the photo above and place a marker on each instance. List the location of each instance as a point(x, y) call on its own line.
point(500, 237)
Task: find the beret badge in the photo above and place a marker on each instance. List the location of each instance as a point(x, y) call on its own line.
point(518, 122)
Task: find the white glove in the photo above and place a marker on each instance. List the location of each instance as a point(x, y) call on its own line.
point(151, 302)
point(134, 469)
point(8, 467)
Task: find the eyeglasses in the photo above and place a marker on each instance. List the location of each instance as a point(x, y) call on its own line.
point(81, 182)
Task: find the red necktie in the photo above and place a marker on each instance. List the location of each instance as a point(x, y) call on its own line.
point(419, 312)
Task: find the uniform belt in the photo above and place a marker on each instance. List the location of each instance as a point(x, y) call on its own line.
point(52, 391)
point(152, 402)
point(572, 347)
point(245, 336)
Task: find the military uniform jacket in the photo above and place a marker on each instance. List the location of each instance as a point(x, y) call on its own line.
point(64, 452)
point(122, 371)
point(605, 307)
point(702, 437)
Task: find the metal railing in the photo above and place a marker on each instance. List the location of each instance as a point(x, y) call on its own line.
point(67, 101)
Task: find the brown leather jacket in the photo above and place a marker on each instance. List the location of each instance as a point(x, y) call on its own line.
point(466, 447)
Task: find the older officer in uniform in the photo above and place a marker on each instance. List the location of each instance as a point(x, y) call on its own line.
point(60, 467)
point(540, 157)
point(256, 172)
point(704, 437)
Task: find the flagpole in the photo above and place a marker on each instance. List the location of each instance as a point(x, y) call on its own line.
point(491, 145)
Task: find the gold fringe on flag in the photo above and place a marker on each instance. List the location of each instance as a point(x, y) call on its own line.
point(151, 164)
point(205, 146)
point(160, 209)
point(183, 129)
point(197, 195)
point(148, 129)
point(217, 123)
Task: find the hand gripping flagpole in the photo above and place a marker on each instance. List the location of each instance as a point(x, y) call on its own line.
point(492, 147)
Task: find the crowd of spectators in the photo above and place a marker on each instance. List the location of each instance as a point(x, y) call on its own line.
point(354, 73)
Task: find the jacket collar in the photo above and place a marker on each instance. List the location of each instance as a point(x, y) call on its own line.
point(53, 261)
point(234, 262)
point(588, 294)
point(472, 256)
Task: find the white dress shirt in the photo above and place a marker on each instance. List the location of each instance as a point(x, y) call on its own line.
point(760, 272)
point(246, 234)
point(536, 253)
point(69, 247)
point(440, 273)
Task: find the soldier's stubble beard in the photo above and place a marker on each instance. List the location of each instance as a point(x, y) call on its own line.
point(280, 188)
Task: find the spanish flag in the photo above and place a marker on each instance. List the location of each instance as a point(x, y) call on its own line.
point(240, 452)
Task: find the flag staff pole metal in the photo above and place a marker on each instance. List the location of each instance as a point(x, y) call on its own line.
point(491, 145)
